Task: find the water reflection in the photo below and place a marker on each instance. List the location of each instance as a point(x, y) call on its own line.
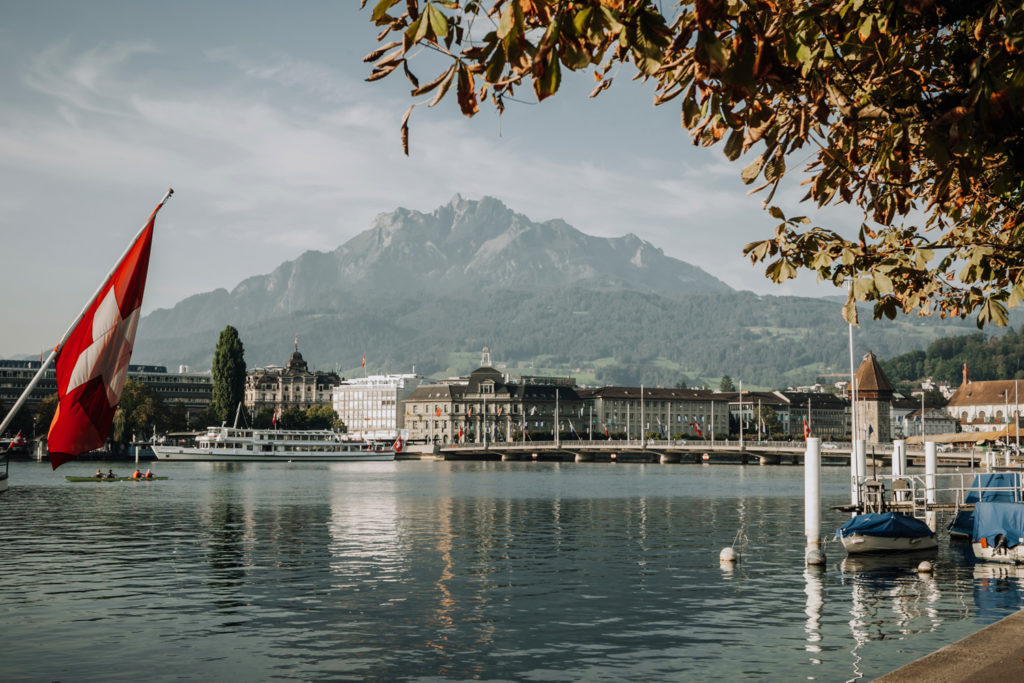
point(491, 571)
point(814, 588)
point(997, 588)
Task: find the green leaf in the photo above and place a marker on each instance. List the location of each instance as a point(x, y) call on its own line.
point(750, 173)
point(992, 311)
point(438, 22)
point(864, 32)
point(548, 82)
point(381, 9)
point(734, 145)
point(691, 110)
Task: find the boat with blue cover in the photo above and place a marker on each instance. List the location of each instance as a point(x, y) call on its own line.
point(998, 534)
point(993, 487)
point(880, 532)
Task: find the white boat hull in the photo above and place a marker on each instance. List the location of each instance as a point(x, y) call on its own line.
point(861, 543)
point(1014, 555)
point(173, 454)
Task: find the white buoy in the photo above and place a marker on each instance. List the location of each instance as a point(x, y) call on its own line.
point(814, 557)
point(728, 555)
point(925, 567)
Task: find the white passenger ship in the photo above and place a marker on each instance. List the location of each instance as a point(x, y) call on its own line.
point(231, 444)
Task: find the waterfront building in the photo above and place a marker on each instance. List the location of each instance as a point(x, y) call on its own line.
point(293, 386)
point(982, 406)
point(874, 397)
point(489, 406)
point(936, 421)
point(625, 412)
point(371, 407)
point(827, 415)
point(193, 390)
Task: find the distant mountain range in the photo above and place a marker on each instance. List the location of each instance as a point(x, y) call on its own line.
point(417, 287)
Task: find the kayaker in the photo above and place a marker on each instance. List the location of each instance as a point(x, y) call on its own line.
point(136, 474)
point(111, 475)
point(99, 473)
point(149, 474)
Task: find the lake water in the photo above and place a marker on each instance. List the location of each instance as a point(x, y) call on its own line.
point(424, 571)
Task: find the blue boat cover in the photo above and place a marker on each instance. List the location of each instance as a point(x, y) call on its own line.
point(1003, 480)
point(992, 519)
point(963, 523)
point(886, 524)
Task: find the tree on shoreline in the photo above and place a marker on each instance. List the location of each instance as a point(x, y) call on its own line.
point(912, 112)
point(228, 375)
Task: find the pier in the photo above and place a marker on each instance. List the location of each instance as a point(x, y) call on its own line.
point(684, 451)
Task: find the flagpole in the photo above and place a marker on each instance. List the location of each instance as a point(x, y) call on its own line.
point(63, 340)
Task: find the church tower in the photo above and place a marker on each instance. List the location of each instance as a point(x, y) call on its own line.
point(874, 397)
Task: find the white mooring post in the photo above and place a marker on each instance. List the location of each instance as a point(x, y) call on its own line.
point(812, 502)
point(931, 466)
point(899, 460)
point(858, 470)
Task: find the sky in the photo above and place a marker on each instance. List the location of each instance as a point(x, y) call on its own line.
point(257, 113)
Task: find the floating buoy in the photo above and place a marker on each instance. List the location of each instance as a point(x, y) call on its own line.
point(613, 456)
point(534, 455)
point(705, 457)
point(925, 567)
point(814, 557)
point(728, 555)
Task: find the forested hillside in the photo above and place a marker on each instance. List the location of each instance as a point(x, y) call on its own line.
point(987, 357)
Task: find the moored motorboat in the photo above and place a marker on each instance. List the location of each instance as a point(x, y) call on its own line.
point(998, 534)
point(885, 532)
point(231, 444)
point(988, 487)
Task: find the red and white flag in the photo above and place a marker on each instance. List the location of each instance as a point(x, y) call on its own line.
point(364, 360)
point(398, 445)
point(697, 429)
point(92, 364)
point(17, 442)
point(807, 430)
point(273, 419)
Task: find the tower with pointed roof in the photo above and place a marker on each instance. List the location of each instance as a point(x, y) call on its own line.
point(874, 397)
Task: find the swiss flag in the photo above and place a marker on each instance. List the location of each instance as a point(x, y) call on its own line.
point(398, 445)
point(807, 430)
point(92, 365)
point(697, 429)
point(17, 442)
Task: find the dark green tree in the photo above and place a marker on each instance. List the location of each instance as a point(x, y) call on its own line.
point(726, 384)
point(293, 418)
point(321, 416)
point(228, 375)
point(138, 413)
point(44, 413)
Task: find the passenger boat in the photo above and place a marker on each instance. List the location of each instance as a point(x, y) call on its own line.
point(102, 480)
point(998, 534)
point(231, 444)
point(885, 532)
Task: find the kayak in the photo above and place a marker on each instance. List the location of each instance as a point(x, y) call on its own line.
point(99, 481)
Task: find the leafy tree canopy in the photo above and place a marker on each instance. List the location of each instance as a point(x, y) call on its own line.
point(911, 111)
point(726, 385)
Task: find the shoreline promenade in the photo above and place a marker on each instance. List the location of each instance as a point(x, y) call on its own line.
point(995, 653)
